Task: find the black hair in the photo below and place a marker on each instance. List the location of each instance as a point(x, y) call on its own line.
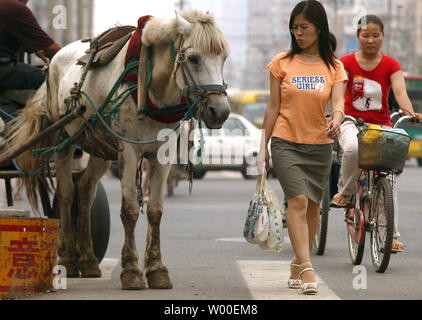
point(333, 42)
point(370, 18)
point(314, 11)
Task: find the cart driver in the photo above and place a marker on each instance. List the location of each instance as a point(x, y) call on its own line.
point(19, 30)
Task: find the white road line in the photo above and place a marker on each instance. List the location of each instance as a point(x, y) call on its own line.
point(107, 266)
point(240, 239)
point(224, 174)
point(267, 280)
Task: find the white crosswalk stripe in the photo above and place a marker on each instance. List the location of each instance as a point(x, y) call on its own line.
point(107, 266)
point(267, 280)
point(240, 239)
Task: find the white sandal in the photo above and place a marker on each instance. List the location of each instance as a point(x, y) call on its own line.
point(294, 283)
point(308, 287)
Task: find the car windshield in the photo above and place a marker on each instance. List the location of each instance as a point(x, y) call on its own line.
point(234, 127)
point(251, 111)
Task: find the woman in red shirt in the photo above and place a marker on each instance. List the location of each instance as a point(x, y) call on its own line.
point(371, 75)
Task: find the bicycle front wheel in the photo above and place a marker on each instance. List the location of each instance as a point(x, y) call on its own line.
point(382, 224)
point(355, 222)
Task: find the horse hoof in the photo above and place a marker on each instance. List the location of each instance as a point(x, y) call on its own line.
point(132, 280)
point(159, 279)
point(90, 270)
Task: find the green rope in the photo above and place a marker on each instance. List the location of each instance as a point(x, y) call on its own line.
point(116, 87)
point(56, 149)
point(115, 109)
point(149, 73)
point(188, 115)
point(109, 99)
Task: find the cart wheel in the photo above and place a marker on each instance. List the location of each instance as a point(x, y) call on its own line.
point(100, 221)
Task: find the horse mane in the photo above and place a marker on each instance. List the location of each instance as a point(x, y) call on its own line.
point(205, 35)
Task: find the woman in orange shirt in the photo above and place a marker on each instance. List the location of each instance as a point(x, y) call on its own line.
point(302, 81)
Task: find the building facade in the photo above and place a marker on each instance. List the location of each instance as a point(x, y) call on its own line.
point(64, 20)
point(267, 34)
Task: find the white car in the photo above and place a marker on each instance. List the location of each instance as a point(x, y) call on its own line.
point(234, 147)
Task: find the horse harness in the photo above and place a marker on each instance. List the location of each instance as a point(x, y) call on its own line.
point(204, 91)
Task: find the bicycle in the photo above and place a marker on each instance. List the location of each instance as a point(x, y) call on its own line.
point(372, 207)
point(320, 239)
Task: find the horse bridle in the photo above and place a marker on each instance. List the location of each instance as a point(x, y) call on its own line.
point(202, 91)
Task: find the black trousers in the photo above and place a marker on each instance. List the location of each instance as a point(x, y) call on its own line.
point(18, 76)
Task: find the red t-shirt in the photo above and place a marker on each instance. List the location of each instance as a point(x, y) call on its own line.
point(367, 91)
point(18, 27)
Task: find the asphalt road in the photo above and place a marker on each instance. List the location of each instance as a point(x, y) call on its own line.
point(202, 246)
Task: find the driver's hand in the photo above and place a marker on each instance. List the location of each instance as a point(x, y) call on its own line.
point(41, 54)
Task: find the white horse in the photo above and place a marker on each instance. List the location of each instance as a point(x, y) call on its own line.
point(201, 50)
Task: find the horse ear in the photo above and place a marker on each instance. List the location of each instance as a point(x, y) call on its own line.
point(185, 27)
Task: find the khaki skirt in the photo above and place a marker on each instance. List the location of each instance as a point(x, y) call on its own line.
point(302, 169)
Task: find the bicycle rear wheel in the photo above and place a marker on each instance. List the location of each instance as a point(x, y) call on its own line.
point(382, 224)
point(355, 222)
point(320, 239)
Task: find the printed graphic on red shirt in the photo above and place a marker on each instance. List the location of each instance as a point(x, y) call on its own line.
point(367, 94)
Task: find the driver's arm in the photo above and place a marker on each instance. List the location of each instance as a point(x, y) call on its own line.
point(51, 50)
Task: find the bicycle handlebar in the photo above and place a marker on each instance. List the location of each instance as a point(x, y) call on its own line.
point(402, 119)
point(405, 118)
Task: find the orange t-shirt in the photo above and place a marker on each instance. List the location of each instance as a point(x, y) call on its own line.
point(305, 93)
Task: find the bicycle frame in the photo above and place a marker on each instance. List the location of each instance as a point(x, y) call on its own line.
point(364, 214)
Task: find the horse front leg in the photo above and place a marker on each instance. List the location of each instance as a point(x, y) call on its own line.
point(157, 274)
point(131, 276)
point(87, 189)
point(64, 194)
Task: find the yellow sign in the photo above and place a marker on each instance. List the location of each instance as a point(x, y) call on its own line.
point(28, 254)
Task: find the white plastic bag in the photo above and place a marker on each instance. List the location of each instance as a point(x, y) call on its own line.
point(257, 220)
point(264, 223)
point(275, 241)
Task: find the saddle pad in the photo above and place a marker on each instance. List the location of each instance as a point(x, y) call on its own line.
point(110, 43)
point(112, 35)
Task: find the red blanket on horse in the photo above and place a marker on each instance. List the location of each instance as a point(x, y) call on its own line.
point(133, 52)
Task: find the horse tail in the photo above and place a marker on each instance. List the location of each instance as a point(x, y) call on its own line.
point(24, 127)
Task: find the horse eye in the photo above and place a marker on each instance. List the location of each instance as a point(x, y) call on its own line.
point(193, 59)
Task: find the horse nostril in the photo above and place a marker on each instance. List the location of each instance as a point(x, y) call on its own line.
point(211, 112)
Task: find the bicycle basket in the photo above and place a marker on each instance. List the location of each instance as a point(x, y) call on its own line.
point(383, 149)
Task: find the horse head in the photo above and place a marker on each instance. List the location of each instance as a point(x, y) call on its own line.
point(200, 51)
